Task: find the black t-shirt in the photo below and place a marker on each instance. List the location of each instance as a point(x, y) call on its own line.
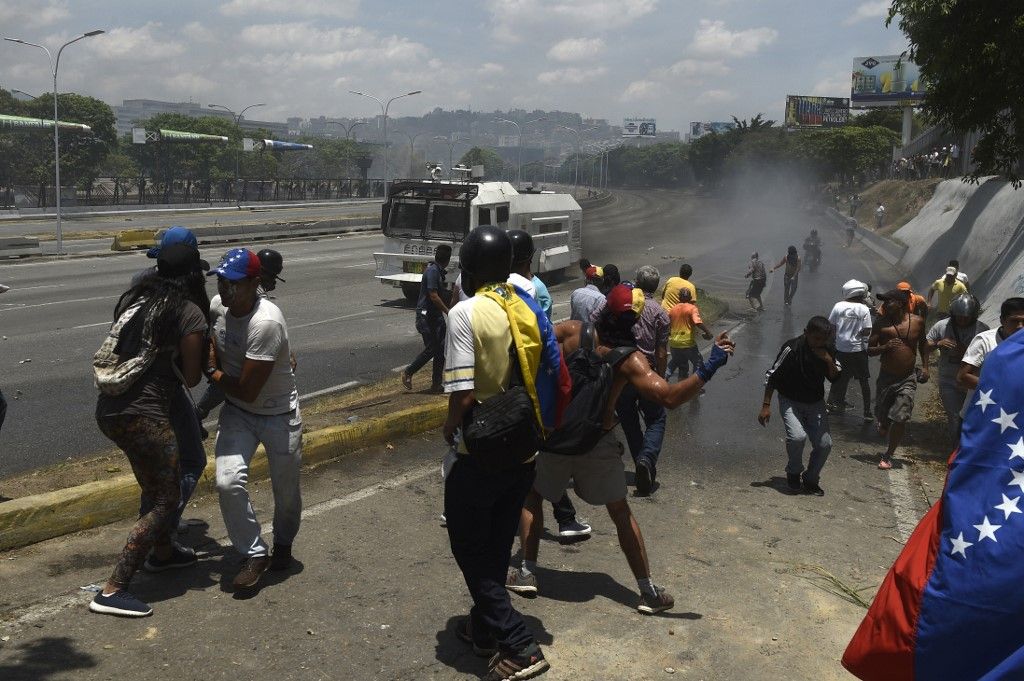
point(798, 374)
point(151, 393)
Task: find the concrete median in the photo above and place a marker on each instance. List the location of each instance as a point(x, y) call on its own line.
point(134, 239)
point(35, 518)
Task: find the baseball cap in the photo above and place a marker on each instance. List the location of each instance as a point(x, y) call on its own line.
point(238, 264)
point(854, 288)
point(904, 286)
point(175, 235)
point(594, 272)
point(625, 298)
point(179, 259)
point(951, 271)
point(895, 294)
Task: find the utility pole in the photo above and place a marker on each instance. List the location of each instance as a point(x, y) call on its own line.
point(237, 119)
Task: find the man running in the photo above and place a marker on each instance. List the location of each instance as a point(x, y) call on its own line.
point(670, 296)
point(758, 278)
point(599, 476)
point(950, 337)
point(947, 288)
point(898, 338)
point(792, 263)
point(851, 320)
point(431, 309)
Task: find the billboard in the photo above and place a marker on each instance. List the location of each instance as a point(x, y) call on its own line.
point(700, 128)
point(816, 112)
point(508, 141)
point(639, 127)
point(886, 81)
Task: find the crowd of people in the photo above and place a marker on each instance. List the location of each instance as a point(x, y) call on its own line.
point(942, 161)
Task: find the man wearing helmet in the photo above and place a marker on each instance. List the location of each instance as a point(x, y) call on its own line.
point(851, 320)
point(950, 337)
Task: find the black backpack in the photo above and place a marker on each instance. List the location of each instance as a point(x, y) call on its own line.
point(592, 377)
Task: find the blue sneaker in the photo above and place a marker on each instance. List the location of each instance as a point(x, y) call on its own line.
point(180, 557)
point(120, 603)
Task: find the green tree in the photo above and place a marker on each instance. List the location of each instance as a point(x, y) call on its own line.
point(889, 117)
point(970, 56)
point(757, 123)
point(708, 155)
point(494, 167)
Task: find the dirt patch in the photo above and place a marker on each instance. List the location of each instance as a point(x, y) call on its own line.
point(902, 199)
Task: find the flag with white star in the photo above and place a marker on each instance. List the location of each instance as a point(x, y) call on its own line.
point(951, 606)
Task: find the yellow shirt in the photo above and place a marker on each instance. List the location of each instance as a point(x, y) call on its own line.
point(684, 317)
point(672, 287)
point(947, 293)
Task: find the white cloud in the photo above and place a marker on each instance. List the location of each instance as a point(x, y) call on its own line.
point(18, 13)
point(138, 44)
point(697, 70)
point(873, 9)
point(198, 32)
point(640, 89)
point(515, 20)
point(717, 97)
point(836, 85)
point(185, 84)
point(713, 38)
point(571, 75)
point(284, 46)
point(490, 68)
point(576, 49)
point(344, 9)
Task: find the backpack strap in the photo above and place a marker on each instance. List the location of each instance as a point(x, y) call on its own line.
point(587, 334)
point(616, 356)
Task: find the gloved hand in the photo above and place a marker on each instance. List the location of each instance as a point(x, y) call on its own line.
point(717, 359)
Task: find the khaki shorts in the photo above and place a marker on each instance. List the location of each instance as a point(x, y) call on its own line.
point(598, 477)
point(895, 397)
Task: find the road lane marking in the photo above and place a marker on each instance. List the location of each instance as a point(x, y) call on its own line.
point(33, 288)
point(333, 319)
point(55, 302)
point(386, 485)
point(89, 326)
point(334, 388)
point(361, 264)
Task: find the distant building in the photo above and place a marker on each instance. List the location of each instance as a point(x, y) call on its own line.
point(134, 111)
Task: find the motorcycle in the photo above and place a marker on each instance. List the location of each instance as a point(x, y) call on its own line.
point(812, 255)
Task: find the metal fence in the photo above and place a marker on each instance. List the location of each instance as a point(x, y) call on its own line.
point(120, 191)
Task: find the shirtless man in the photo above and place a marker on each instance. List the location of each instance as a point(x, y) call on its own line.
point(598, 476)
point(898, 337)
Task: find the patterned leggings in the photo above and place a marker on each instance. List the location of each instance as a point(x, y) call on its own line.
point(151, 449)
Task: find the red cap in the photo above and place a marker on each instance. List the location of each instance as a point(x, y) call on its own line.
point(624, 298)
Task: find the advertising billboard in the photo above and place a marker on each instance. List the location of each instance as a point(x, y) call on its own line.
point(639, 127)
point(886, 81)
point(816, 112)
point(508, 141)
point(700, 128)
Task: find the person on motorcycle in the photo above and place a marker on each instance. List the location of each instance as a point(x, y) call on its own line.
point(812, 248)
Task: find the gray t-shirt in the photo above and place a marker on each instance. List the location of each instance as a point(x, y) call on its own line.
point(151, 393)
point(949, 361)
point(261, 335)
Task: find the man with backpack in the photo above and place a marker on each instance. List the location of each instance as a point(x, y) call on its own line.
point(584, 450)
point(250, 362)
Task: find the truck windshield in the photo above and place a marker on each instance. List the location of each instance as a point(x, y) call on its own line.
point(413, 204)
point(450, 219)
point(407, 219)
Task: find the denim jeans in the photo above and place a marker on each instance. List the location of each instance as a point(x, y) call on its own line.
point(952, 403)
point(482, 510)
point(432, 330)
point(643, 444)
point(238, 435)
point(789, 290)
point(212, 398)
point(685, 360)
point(805, 422)
point(191, 453)
point(853, 363)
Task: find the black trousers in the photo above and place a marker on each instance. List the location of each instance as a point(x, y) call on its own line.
point(482, 512)
point(433, 332)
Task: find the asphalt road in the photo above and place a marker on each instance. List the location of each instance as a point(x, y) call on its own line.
point(756, 574)
point(159, 219)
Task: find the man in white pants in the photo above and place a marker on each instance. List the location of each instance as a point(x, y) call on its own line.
point(250, 363)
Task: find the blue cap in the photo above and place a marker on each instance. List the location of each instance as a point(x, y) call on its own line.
point(174, 235)
point(238, 264)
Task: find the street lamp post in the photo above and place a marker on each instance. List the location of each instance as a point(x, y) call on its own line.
point(579, 137)
point(384, 112)
point(237, 118)
point(519, 152)
point(54, 65)
point(347, 128)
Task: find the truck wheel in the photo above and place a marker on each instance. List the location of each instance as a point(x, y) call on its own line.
point(411, 291)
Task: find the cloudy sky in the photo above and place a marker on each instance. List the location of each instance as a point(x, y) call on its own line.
point(676, 60)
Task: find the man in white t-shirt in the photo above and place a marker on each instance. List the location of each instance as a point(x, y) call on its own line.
point(879, 215)
point(851, 319)
point(951, 337)
point(1011, 321)
point(250, 363)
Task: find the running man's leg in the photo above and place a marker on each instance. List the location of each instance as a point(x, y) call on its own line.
point(237, 438)
point(814, 419)
point(796, 436)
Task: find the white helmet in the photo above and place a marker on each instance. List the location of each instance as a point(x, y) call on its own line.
point(854, 288)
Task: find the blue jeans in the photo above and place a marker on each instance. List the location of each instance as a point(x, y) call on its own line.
point(805, 422)
point(643, 444)
point(432, 329)
point(191, 454)
point(685, 360)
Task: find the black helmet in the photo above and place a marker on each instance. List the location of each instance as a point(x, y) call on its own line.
point(522, 245)
point(965, 305)
point(486, 255)
point(271, 264)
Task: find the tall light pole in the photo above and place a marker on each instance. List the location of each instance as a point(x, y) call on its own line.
point(519, 153)
point(579, 137)
point(384, 112)
point(237, 118)
point(348, 128)
point(54, 65)
point(412, 144)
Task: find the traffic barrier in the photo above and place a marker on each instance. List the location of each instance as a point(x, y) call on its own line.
point(601, 200)
point(133, 239)
point(889, 250)
point(248, 233)
point(39, 517)
point(19, 246)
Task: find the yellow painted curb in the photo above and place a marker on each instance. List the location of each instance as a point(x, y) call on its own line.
point(43, 516)
point(130, 239)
